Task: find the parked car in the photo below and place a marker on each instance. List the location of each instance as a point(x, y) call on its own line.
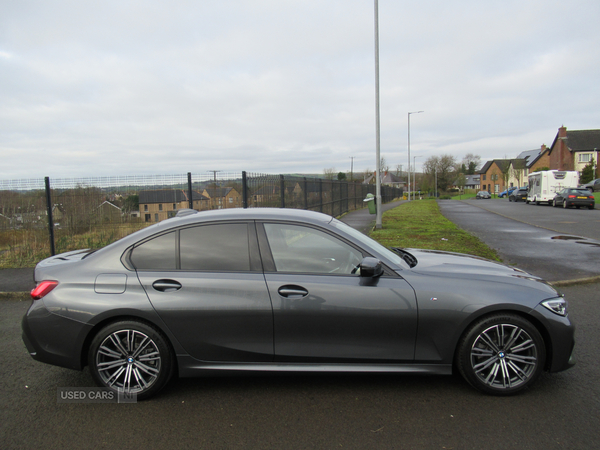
point(483, 194)
point(592, 186)
point(265, 290)
point(507, 192)
point(574, 197)
point(519, 195)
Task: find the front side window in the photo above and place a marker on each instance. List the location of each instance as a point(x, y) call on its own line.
point(297, 248)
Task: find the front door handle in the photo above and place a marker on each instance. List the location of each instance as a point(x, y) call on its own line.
point(292, 291)
point(166, 285)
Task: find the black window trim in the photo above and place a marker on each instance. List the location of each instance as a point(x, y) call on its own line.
point(269, 262)
point(256, 265)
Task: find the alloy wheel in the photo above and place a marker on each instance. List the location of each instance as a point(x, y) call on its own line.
point(128, 360)
point(504, 356)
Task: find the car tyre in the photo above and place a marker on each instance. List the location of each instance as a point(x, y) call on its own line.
point(501, 354)
point(565, 204)
point(131, 357)
point(554, 203)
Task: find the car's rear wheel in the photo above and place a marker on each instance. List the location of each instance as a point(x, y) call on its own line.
point(130, 357)
point(565, 205)
point(501, 354)
point(590, 207)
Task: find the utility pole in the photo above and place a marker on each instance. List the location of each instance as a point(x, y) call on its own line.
point(214, 174)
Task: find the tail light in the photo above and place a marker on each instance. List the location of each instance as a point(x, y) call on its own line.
point(42, 289)
point(572, 196)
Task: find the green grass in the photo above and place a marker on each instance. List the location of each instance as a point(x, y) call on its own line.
point(420, 224)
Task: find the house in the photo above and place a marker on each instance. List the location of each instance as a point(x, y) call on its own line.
point(109, 212)
point(223, 197)
point(471, 182)
point(493, 175)
point(573, 150)
point(161, 204)
point(387, 179)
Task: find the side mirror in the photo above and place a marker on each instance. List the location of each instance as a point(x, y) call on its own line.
point(370, 268)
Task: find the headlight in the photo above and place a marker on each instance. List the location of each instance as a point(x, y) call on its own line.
point(557, 306)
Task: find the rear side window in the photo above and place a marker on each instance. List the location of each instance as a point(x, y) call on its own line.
point(221, 247)
point(156, 254)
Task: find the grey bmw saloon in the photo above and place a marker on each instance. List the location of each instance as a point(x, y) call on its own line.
point(276, 290)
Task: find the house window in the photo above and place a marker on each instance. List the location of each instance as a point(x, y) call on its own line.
point(147, 217)
point(484, 175)
point(145, 207)
point(585, 157)
point(174, 206)
point(160, 206)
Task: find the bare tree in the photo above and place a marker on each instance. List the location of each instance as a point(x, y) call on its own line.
point(330, 173)
point(472, 163)
point(446, 168)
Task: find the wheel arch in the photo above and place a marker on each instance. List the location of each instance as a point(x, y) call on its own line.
point(85, 348)
point(530, 318)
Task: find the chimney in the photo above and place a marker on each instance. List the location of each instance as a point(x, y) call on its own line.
point(543, 148)
point(562, 132)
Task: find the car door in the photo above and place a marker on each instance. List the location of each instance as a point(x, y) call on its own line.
point(323, 310)
point(206, 284)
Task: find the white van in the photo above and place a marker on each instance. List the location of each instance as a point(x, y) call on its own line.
point(544, 185)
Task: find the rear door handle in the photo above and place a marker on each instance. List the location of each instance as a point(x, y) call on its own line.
point(292, 291)
point(166, 285)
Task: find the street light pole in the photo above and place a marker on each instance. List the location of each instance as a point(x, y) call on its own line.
point(415, 174)
point(378, 222)
point(412, 112)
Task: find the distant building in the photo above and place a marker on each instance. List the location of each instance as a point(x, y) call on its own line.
point(161, 204)
point(573, 150)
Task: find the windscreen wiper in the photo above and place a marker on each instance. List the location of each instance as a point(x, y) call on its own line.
point(406, 256)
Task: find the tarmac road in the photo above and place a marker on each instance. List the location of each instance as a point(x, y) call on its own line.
point(561, 411)
point(554, 243)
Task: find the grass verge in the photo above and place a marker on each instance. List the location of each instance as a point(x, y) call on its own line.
point(420, 224)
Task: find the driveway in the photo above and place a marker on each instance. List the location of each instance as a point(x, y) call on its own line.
point(553, 243)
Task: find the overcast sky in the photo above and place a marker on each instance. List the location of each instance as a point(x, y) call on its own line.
point(281, 86)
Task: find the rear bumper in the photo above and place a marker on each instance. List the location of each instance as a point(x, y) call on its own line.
point(53, 339)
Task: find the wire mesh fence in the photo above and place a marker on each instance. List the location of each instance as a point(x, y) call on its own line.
point(39, 218)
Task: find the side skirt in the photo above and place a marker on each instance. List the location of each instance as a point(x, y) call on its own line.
point(190, 367)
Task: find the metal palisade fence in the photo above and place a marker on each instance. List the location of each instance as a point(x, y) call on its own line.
point(42, 217)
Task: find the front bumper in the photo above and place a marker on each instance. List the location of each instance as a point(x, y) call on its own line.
point(559, 337)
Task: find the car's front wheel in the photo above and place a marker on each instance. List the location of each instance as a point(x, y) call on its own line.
point(130, 357)
point(554, 203)
point(501, 354)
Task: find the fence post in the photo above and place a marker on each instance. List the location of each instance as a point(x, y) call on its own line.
point(244, 190)
point(321, 194)
point(305, 194)
point(282, 190)
point(190, 192)
point(50, 219)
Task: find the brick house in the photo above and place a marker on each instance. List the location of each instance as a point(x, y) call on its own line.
point(492, 175)
point(223, 197)
point(573, 150)
point(163, 203)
